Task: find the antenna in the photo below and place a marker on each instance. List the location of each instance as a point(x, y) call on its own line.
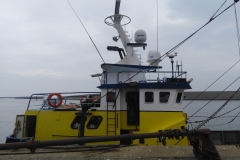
point(177, 68)
point(157, 25)
point(157, 36)
point(171, 56)
point(181, 69)
point(87, 31)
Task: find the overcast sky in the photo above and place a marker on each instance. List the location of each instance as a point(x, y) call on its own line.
point(44, 48)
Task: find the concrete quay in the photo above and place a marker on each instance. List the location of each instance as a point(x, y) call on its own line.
point(227, 152)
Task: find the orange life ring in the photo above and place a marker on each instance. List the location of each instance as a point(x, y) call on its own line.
point(50, 102)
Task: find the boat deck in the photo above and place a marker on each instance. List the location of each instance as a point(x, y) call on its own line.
point(226, 152)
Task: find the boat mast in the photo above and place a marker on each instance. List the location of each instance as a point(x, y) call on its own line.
point(131, 57)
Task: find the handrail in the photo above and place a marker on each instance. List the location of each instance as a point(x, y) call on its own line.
point(177, 75)
point(62, 93)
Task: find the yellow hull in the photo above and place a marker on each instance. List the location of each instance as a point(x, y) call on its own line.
point(53, 125)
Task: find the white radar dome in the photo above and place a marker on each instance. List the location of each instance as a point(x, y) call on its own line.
point(153, 58)
point(140, 36)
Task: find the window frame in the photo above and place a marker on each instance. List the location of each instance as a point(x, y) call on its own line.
point(165, 101)
point(76, 120)
point(179, 99)
point(111, 97)
point(97, 124)
point(151, 99)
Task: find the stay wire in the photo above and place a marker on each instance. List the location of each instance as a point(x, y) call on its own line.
point(220, 116)
point(238, 35)
point(211, 19)
point(218, 9)
point(178, 45)
point(214, 97)
point(86, 32)
point(227, 122)
point(226, 112)
point(211, 84)
point(218, 110)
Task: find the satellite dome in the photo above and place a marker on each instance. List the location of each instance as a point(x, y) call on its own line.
point(153, 57)
point(140, 36)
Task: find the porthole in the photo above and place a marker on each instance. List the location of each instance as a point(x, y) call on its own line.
point(94, 122)
point(77, 122)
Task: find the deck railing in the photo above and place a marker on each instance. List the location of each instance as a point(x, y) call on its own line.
point(149, 76)
point(40, 100)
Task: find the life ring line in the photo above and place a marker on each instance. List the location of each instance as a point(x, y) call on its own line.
point(59, 97)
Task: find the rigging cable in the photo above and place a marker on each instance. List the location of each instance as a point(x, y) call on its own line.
point(178, 45)
point(220, 116)
point(216, 112)
point(86, 31)
point(211, 84)
point(215, 97)
point(230, 67)
point(227, 122)
point(238, 36)
point(227, 112)
point(211, 19)
point(218, 9)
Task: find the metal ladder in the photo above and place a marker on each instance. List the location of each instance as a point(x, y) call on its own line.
point(112, 114)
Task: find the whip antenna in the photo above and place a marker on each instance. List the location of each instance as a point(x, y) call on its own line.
point(86, 31)
point(157, 25)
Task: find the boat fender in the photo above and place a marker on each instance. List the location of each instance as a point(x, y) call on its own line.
point(58, 96)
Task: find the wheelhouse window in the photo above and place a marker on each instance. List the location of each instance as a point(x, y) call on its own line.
point(164, 96)
point(179, 97)
point(94, 122)
point(110, 96)
point(148, 96)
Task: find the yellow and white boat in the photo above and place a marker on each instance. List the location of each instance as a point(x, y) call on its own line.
point(133, 99)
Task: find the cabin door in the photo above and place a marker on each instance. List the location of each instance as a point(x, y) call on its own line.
point(18, 131)
point(132, 99)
